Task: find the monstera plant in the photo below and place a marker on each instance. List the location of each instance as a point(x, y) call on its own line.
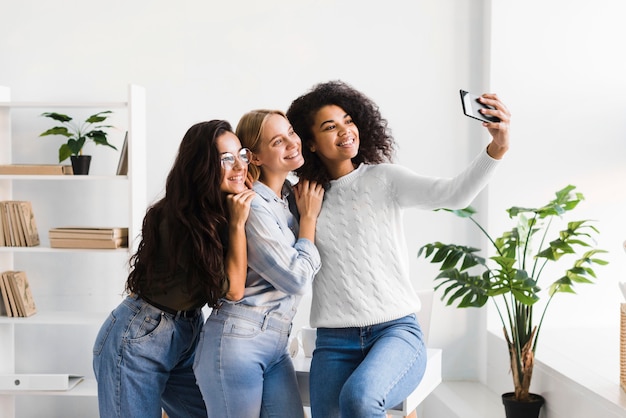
point(512, 276)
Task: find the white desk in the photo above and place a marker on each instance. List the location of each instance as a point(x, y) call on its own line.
point(431, 379)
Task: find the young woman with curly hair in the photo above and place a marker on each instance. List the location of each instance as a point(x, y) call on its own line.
point(192, 252)
point(369, 352)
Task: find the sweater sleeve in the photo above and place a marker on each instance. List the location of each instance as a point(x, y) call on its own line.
point(414, 190)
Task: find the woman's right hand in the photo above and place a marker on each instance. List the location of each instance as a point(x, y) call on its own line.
point(239, 206)
point(236, 262)
point(309, 197)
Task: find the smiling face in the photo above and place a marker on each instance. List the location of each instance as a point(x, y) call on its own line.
point(233, 176)
point(336, 139)
point(278, 152)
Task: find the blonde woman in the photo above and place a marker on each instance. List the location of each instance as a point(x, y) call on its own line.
point(242, 364)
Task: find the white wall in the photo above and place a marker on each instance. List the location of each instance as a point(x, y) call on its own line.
point(559, 64)
point(200, 60)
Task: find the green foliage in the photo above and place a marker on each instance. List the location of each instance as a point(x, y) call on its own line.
point(77, 134)
point(511, 276)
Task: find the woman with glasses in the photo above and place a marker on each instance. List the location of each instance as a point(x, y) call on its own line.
point(192, 253)
point(242, 364)
point(369, 353)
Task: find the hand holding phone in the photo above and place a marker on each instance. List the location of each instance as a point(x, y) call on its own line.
point(471, 107)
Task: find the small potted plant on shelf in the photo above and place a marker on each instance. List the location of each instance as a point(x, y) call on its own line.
point(77, 135)
point(511, 278)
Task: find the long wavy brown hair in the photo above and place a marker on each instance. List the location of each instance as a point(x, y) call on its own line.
point(377, 145)
point(194, 211)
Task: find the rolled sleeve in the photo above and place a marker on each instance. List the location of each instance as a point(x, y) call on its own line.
point(275, 255)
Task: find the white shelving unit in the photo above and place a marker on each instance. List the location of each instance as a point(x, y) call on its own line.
point(65, 300)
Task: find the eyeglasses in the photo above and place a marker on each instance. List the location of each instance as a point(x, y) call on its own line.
point(228, 160)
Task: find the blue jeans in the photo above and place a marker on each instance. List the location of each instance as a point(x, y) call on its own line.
point(243, 368)
point(363, 371)
point(143, 358)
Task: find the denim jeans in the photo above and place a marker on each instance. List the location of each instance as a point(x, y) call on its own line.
point(143, 358)
point(363, 371)
point(243, 368)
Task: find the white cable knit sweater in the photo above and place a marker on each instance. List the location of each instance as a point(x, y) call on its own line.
point(364, 279)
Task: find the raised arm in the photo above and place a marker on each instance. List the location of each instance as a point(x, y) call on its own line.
point(236, 263)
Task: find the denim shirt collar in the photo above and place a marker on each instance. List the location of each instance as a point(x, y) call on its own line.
point(268, 194)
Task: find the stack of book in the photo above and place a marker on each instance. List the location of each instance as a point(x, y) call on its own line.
point(17, 224)
point(41, 169)
point(82, 237)
point(16, 295)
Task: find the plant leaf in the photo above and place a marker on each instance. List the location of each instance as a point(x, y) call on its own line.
point(57, 116)
point(96, 118)
point(58, 130)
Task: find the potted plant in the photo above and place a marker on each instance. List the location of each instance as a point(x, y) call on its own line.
point(77, 135)
point(510, 278)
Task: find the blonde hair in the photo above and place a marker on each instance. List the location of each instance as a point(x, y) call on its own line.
point(249, 133)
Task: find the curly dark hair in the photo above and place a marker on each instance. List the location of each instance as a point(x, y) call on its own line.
point(194, 211)
point(377, 145)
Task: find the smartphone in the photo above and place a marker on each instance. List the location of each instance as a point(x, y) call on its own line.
point(471, 105)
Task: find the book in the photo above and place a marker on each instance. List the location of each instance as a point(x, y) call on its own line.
point(9, 290)
point(53, 169)
point(14, 292)
point(89, 243)
point(22, 293)
point(5, 226)
point(45, 382)
point(2, 241)
point(31, 232)
point(18, 225)
point(6, 220)
point(20, 240)
point(5, 297)
point(122, 165)
point(87, 233)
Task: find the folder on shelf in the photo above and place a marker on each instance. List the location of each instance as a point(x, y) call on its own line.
point(19, 382)
point(42, 169)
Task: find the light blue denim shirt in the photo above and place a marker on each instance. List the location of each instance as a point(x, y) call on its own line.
point(281, 267)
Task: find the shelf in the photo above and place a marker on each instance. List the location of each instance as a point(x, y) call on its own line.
point(89, 280)
point(58, 318)
point(34, 105)
point(38, 177)
point(46, 249)
point(88, 387)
